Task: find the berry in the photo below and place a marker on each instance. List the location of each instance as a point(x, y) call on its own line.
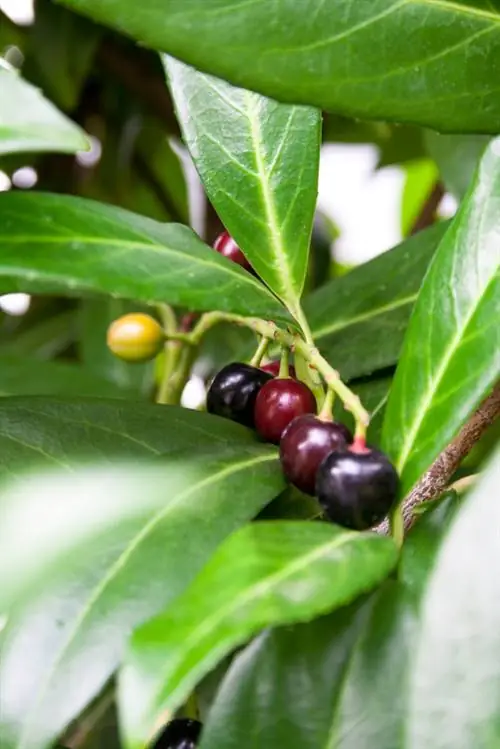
point(226, 246)
point(357, 488)
point(273, 367)
point(278, 402)
point(307, 441)
point(179, 734)
point(234, 391)
point(135, 337)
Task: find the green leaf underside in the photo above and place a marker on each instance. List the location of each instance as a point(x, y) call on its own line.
point(337, 682)
point(458, 643)
point(451, 356)
point(62, 244)
point(31, 123)
point(151, 530)
point(457, 157)
point(259, 161)
point(266, 574)
point(359, 320)
point(330, 55)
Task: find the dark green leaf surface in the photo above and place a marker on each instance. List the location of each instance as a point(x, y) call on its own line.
point(455, 682)
point(259, 164)
point(55, 243)
point(359, 320)
point(451, 355)
point(267, 573)
point(457, 157)
point(429, 62)
point(30, 122)
point(111, 546)
point(31, 376)
point(335, 683)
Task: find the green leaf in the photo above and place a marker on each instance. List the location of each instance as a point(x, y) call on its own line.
point(95, 317)
point(24, 375)
point(455, 682)
point(330, 55)
point(421, 177)
point(61, 47)
point(451, 354)
point(334, 682)
point(359, 320)
point(99, 551)
point(30, 122)
point(266, 574)
point(457, 157)
point(61, 244)
point(259, 164)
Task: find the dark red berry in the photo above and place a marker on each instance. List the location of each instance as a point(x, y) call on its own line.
point(273, 367)
point(307, 441)
point(278, 402)
point(179, 734)
point(225, 245)
point(357, 489)
point(234, 390)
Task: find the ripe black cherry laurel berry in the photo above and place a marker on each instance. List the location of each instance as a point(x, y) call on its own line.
point(278, 403)
point(179, 734)
point(357, 489)
point(234, 390)
point(226, 246)
point(305, 443)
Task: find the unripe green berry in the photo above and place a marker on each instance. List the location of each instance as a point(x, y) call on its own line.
point(135, 337)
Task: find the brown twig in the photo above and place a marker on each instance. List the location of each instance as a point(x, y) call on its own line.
point(437, 478)
point(427, 215)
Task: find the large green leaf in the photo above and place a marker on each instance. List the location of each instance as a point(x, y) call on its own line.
point(56, 243)
point(337, 682)
point(457, 157)
point(455, 682)
point(21, 375)
point(451, 355)
point(267, 573)
point(31, 123)
point(101, 551)
point(359, 320)
point(259, 163)
point(350, 58)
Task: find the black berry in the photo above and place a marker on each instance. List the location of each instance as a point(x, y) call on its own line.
point(179, 734)
point(357, 489)
point(278, 403)
point(273, 367)
point(305, 443)
point(225, 245)
point(234, 391)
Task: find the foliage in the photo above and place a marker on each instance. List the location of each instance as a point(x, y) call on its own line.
point(154, 562)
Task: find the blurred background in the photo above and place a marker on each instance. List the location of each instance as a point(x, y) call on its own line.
point(379, 183)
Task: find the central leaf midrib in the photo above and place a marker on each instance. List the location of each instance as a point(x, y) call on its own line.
point(117, 566)
point(285, 277)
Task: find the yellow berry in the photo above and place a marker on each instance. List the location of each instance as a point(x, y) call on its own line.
point(135, 337)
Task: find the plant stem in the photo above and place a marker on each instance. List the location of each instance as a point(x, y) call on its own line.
point(304, 325)
point(260, 353)
point(326, 413)
point(171, 350)
point(284, 371)
point(177, 381)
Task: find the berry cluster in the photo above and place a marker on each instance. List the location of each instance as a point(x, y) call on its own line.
point(355, 484)
point(180, 733)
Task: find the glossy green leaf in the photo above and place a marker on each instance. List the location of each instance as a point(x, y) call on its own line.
point(337, 682)
point(55, 243)
point(31, 376)
point(31, 123)
point(451, 356)
point(101, 551)
point(457, 157)
point(330, 55)
point(455, 682)
point(95, 317)
point(259, 164)
point(421, 177)
point(266, 574)
point(359, 320)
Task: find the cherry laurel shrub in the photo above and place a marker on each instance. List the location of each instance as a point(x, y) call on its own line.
point(307, 557)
